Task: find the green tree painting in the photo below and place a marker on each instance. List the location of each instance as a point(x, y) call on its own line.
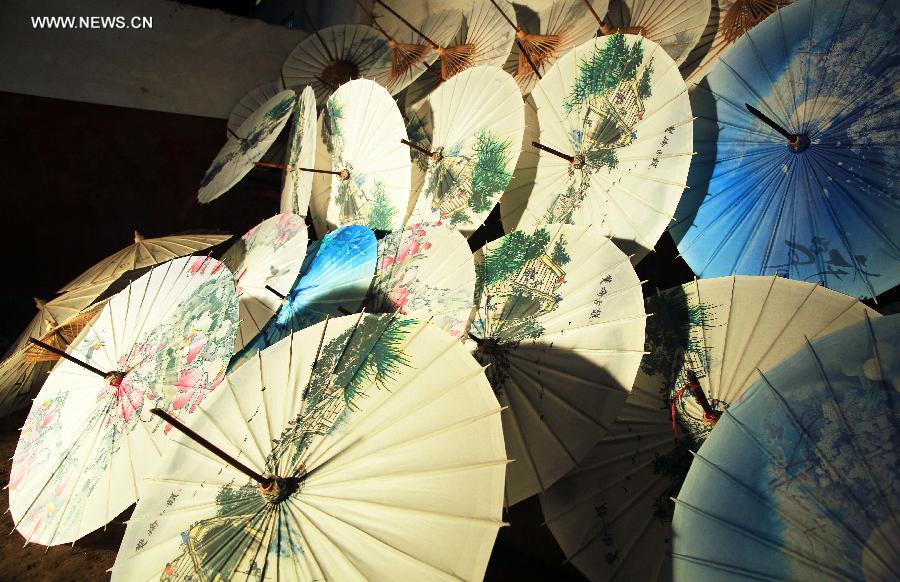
point(559, 255)
point(516, 249)
point(382, 214)
point(490, 175)
point(606, 68)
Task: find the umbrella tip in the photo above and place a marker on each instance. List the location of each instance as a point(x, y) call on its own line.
point(39, 303)
point(138, 237)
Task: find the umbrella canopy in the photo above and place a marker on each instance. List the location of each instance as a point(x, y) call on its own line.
point(333, 280)
point(559, 28)
point(248, 104)
point(467, 137)
point(301, 153)
point(425, 271)
point(246, 146)
point(799, 480)
point(335, 55)
point(705, 340)
point(797, 167)
point(362, 132)
point(560, 320)
point(88, 441)
point(729, 19)
point(265, 263)
point(615, 144)
point(676, 26)
point(372, 473)
point(143, 253)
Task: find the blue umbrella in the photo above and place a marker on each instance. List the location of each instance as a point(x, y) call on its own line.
point(799, 479)
point(797, 167)
point(333, 280)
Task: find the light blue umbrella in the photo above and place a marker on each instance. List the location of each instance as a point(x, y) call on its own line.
point(799, 479)
point(798, 167)
point(333, 280)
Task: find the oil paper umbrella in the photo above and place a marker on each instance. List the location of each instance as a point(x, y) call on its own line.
point(466, 139)
point(335, 55)
point(675, 26)
point(139, 255)
point(729, 19)
point(425, 271)
point(265, 263)
point(247, 146)
point(369, 181)
point(799, 480)
point(612, 514)
point(411, 54)
point(560, 27)
point(248, 105)
point(334, 279)
point(560, 320)
point(352, 466)
point(797, 174)
point(296, 188)
point(89, 439)
point(614, 146)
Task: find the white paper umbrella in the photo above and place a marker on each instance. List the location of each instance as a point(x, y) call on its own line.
point(248, 104)
point(675, 25)
point(425, 271)
point(612, 515)
point(362, 131)
point(560, 27)
point(731, 19)
point(301, 153)
point(88, 441)
point(265, 263)
point(616, 132)
point(246, 146)
point(471, 129)
point(141, 254)
point(335, 55)
point(560, 320)
point(380, 444)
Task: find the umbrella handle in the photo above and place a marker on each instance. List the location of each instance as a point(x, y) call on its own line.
point(62, 354)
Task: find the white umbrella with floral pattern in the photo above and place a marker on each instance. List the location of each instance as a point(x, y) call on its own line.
point(425, 271)
point(89, 439)
point(367, 447)
point(265, 261)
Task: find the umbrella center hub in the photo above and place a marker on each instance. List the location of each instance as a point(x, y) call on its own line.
point(114, 379)
point(800, 143)
point(578, 161)
point(278, 489)
point(339, 72)
point(438, 154)
point(344, 174)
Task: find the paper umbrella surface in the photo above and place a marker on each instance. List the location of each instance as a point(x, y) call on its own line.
point(467, 134)
point(362, 131)
point(616, 131)
point(296, 187)
point(799, 480)
point(797, 167)
point(247, 106)
point(560, 319)
point(705, 340)
point(246, 146)
point(333, 280)
point(89, 439)
point(265, 262)
point(425, 271)
point(376, 473)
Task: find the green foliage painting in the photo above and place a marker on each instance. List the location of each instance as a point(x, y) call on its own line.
point(560, 256)
point(382, 212)
point(606, 68)
point(516, 249)
point(490, 175)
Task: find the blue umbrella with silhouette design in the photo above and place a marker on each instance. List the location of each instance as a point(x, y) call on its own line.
point(333, 280)
point(799, 479)
point(797, 163)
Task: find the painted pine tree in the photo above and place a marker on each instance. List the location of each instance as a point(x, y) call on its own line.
point(604, 69)
point(382, 213)
point(490, 174)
